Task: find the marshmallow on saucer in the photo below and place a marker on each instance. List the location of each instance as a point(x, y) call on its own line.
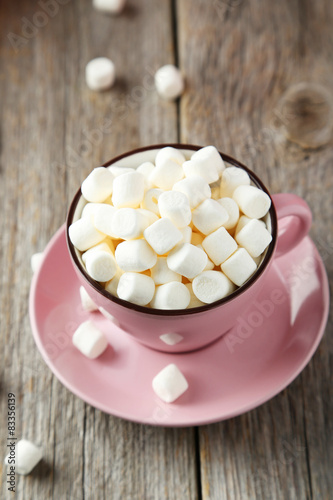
point(210, 286)
point(90, 340)
point(136, 288)
point(209, 216)
point(254, 237)
point(101, 265)
point(162, 274)
point(86, 301)
point(195, 188)
point(209, 156)
point(252, 201)
point(169, 384)
point(162, 235)
point(150, 200)
point(27, 456)
point(98, 185)
point(109, 6)
point(175, 206)
point(166, 174)
point(135, 256)
point(169, 82)
point(169, 153)
point(128, 190)
point(239, 267)
point(233, 211)
point(36, 260)
point(219, 245)
point(187, 260)
point(84, 235)
point(232, 177)
point(100, 73)
point(173, 295)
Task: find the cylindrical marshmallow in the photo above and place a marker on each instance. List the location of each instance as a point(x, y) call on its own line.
point(129, 223)
point(243, 220)
point(109, 6)
point(232, 177)
point(98, 185)
point(210, 264)
point(187, 234)
point(150, 200)
point(36, 261)
point(162, 235)
point(169, 82)
point(89, 340)
point(175, 206)
point(84, 235)
point(173, 295)
point(89, 209)
point(135, 256)
point(101, 265)
point(187, 260)
point(136, 288)
point(254, 237)
point(169, 153)
point(103, 219)
point(166, 174)
point(169, 384)
point(100, 73)
point(195, 188)
point(219, 245)
point(209, 155)
point(210, 286)
point(209, 216)
point(252, 201)
point(86, 301)
point(128, 190)
point(239, 267)
point(233, 211)
point(104, 246)
point(27, 456)
point(197, 167)
point(162, 274)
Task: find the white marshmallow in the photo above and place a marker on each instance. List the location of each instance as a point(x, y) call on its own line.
point(210, 264)
point(254, 237)
point(232, 177)
point(112, 285)
point(211, 286)
point(146, 169)
point(84, 235)
point(243, 220)
point(150, 200)
point(128, 190)
point(135, 256)
point(109, 6)
point(136, 288)
point(89, 340)
point(100, 73)
point(233, 211)
point(209, 216)
point(151, 216)
point(36, 261)
point(239, 267)
point(27, 456)
point(173, 295)
point(129, 223)
point(101, 247)
point(187, 260)
point(196, 238)
point(116, 170)
point(86, 301)
point(162, 274)
point(98, 185)
point(195, 188)
point(252, 201)
point(194, 301)
point(171, 338)
point(219, 245)
point(209, 155)
point(103, 219)
point(169, 384)
point(89, 209)
point(169, 82)
point(169, 153)
point(162, 235)
point(101, 265)
point(187, 234)
point(166, 174)
point(175, 206)
point(197, 167)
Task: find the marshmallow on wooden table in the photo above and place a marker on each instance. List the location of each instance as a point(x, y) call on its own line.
point(210, 286)
point(209, 156)
point(90, 340)
point(116, 170)
point(83, 234)
point(169, 153)
point(209, 216)
point(27, 456)
point(169, 384)
point(232, 177)
point(187, 260)
point(162, 235)
point(195, 188)
point(194, 301)
point(146, 169)
point(254, 237)
point(98, 185)
point(129, 223)
point(135, 256)
point(219, 245)
point(86, 301)
point(233, 211)
point(100, 73)
point(175, 206)
point(173, 295)
point(112, 285)
point(150, 200)
point(36, 260)
point(136, 288)
point(169, 82)
point(187, 234)
point(166, 174)
point(128, 190)
point(101, 265)
point(103, 219)
point(109, 6)
point(239, 267)
point(104, 246)
point(162, 274)
point(252, 201)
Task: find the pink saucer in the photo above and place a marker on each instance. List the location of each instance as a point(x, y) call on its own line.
point(264, 353)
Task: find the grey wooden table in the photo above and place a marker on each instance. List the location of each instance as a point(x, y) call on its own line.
point(239, 58)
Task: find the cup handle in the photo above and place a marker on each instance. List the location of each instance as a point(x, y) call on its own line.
point(291, 233)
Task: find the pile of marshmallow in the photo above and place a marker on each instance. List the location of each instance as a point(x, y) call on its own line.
point(176, 234)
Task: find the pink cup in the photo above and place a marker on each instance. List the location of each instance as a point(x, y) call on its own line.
point(197, 327)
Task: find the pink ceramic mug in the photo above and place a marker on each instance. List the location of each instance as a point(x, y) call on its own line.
point(197, 327)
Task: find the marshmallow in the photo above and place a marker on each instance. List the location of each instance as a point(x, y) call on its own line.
point(101, 246)
point(194, 301)
point(135, 256)
point(36, 261)
point(171, 338)
point(209, 216)
point(86, 301)
point(150, 200)
point(175, 206)
point(112, 285)
point(195, 188)
point(233, 211)
point(89, 340)
point(151, 216)
point(100, 73)
point(169, 153)
point(103, 219)
point(116, 170)
point(210, 286)
point(187, 260)
point(239, 267)
point(232, 177)
point(254, 237)
point(252, 201)
point(109, 6)
point(210, 264)
point(162, 274)
point(166, 174)
point(136, 288)
point(27, 456)
point(129, 223)
point(169, 82)
point(98, 185)
point(173, 295)
point(128, 190)
point(90, 209)
point(146, 169)
point(199, 167)
point(169, 384)
point(187, 234)
point(84, 235)
point(243, 220)
point(196, 238)
point(219, 245)
point(101, 265)
point(209, 156)
point(162, 235)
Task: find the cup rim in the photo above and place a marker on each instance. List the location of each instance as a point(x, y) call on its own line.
point(175, 312)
